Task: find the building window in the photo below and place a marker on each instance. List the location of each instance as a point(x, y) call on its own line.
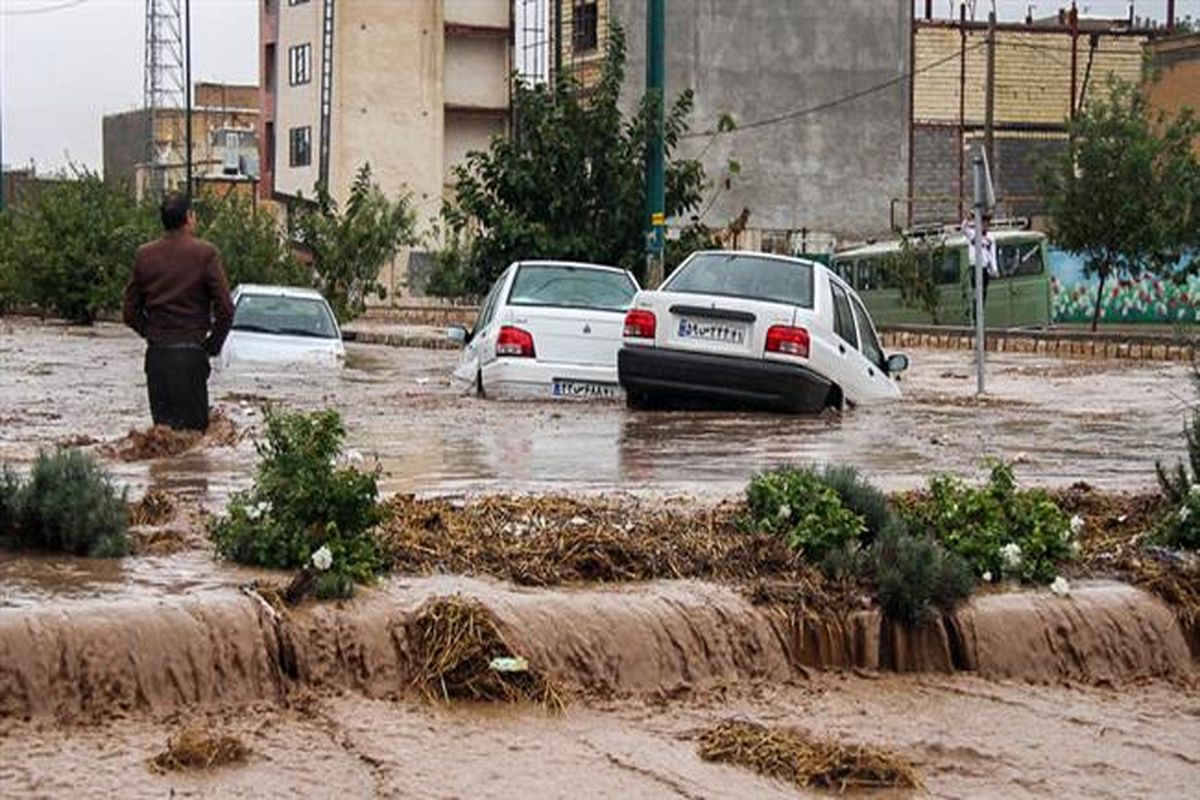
point(301, 146)
point(268, 149)
point(584, 27)
point(269, 67)
point(300, 64)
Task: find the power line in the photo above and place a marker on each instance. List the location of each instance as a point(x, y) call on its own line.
point(28, 12)
point(803, 112)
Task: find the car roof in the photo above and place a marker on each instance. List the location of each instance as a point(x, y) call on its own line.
point(550, 262)
point(953, 240)
point(280, 291)
point(756, 254)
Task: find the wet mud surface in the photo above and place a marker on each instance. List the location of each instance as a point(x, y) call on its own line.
point(967, 737)
point(1059, 421)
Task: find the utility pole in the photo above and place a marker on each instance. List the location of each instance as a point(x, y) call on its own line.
point(187, 80)
point(984, 200)
point(558, 39)
point(656, 73)
point(989, 110)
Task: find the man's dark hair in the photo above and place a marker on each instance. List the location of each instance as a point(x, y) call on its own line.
point(174, 210)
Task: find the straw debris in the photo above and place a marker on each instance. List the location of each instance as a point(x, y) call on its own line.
point(198, 748)
point(160, 441)
point(456, 641)
point(806, 761)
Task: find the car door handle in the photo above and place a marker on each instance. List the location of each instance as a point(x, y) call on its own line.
point(871, 372)
point(842, 349)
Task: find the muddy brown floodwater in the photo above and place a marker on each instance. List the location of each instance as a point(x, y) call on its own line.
point(1060, 421)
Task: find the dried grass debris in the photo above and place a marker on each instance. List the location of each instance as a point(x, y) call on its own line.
point(455, 641)
point(806, 761)
point(199, 748)
point(550, 540)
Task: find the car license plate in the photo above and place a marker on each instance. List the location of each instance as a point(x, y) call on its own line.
point(727, 332)
point(583, 389)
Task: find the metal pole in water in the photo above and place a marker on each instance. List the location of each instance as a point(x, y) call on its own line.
point(980, 202)
point(655, 152)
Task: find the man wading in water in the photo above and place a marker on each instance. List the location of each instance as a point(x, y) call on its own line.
point(178, 300)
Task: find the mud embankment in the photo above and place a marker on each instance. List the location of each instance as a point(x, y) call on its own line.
point(666, 639)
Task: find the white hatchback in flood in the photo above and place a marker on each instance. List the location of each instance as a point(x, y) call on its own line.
point(548, 329)
point(281, 325)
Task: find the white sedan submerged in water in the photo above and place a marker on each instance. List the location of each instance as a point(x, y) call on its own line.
point(281, 325)
point(548, 329)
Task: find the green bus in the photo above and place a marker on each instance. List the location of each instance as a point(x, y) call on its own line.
point(1020, 297)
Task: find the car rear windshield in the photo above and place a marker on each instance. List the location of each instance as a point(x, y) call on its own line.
point(753, 277)
point(289, 316)
point(568, 286)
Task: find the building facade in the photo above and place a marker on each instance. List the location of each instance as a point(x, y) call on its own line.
point(225, 139)
point(1044, 70)
point(1175, 62)
point(407, 87)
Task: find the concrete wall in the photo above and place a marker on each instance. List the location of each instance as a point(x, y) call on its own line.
point(833, 171)
point(387, 97)
point(466, 132)
point(475, 75)
point(485, 13)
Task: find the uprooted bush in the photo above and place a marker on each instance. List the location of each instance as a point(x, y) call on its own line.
point(307, 500)
point(67, 504)
point(1000, 531)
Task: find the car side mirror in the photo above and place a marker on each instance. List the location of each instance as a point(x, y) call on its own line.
point(897, 363)
point(458, 334)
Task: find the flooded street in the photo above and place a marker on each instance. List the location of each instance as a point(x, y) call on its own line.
point(1060, 422)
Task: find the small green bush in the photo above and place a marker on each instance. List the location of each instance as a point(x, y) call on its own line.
point(303, 500)
point(858, 495)
point(1180, 524)
point(795, 502)
point(916, 577)
point(68, 504)
point(1000, 531)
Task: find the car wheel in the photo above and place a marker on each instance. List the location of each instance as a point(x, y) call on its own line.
point(638, 401)
point(834, 399)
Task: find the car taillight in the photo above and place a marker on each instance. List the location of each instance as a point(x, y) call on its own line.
point(787, 340)
point(515, 342)
point(640, 324)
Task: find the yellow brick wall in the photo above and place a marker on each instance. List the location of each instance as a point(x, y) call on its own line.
point(1033, 74)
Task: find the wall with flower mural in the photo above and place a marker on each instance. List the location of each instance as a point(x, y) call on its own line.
point(1148, 299)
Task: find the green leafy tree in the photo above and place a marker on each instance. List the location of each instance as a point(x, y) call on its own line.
point(915, 268)
point(70, 251)
point(570, 183)
point(350, 246)
point(253, 246)
point(1125, 192)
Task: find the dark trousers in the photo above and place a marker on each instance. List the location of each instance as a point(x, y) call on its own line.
point(177, 382)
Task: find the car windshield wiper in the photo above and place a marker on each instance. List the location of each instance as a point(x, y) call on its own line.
point(243, 326)
point(303, 332)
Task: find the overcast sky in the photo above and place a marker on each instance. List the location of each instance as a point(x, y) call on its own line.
point(66, 63)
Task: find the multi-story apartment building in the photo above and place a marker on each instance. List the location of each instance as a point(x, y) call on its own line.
point(408, 86)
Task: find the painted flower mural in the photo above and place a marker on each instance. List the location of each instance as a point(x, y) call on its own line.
point(1149, 299)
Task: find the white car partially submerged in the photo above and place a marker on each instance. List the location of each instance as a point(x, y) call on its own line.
point(281, 325)
point(548, 329)
point(754, 329)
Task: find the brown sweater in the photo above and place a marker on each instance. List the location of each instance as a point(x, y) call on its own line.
point(178, 292)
